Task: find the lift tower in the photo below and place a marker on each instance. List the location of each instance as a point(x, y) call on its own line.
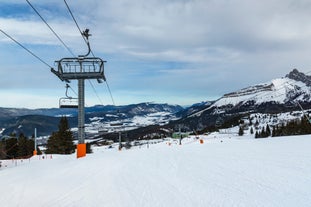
point(81, 68)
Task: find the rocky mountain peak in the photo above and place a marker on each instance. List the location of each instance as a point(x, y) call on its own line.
point(299, 76)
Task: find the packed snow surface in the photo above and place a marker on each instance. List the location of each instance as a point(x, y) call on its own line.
point(226, 170)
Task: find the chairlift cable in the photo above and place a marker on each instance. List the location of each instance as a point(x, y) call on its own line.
point(58, 37)
point(73, 90)
point(86, 41)
point(42, 61)
point(74, 19)
point(50, 28)
point(110, 93)
point(77, 94)
point(96, 92)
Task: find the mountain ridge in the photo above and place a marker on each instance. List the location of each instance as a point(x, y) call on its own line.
point(279, 95)
point(25, 120)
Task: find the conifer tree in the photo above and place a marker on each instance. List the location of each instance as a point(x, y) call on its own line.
point(262, 133)
point(88, 148)
point(268, 131)
point(30, 147)
point(273, 131)
point(252, 130)
point(61, 142)
point(11, 147)
point(2, 149)
point(53, 144)
point(241, 131)
point(22, 146)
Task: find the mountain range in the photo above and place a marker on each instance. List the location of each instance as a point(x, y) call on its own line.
point(292, 92)
point(289, 93)
point(14, 120)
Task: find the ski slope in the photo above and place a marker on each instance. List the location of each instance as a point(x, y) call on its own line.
point(224, 171)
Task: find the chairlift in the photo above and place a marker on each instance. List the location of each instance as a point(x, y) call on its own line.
point(68, 102)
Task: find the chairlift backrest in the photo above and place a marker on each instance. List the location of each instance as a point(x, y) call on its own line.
point(68, 102)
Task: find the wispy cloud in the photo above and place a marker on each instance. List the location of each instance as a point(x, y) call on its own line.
point(165, 48)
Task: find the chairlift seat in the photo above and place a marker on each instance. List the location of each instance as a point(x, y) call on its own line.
point(68, 102)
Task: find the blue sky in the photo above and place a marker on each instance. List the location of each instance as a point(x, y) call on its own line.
point(177, 51)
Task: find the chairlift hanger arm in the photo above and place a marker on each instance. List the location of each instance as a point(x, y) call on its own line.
point(86, 35)
point(67, 86)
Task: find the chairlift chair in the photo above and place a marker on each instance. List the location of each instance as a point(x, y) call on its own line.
point(68, 102)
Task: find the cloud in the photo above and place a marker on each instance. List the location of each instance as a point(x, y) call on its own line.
point(177, 48)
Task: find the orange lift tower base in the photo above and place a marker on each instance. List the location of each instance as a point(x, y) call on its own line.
point(81, 150)
point(35, 142)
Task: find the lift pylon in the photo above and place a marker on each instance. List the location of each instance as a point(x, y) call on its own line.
point(80, 68)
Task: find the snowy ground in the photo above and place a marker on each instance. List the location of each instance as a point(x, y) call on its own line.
point(224, 171)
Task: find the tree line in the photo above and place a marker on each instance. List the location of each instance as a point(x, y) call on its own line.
point(17, 147)
point(295, 127)
point(60, 142)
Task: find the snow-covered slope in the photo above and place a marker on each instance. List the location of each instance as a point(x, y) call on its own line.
point(97, 125)
point(224, 171)
point(281, 91)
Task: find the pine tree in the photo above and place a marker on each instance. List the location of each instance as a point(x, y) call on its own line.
point(61, 142)
point(273, 131)
point(30, 147)
point(268, 131)
point(22, 146)
point(88, 148)
point(262, 133)
point(53, 144)
point(11, 147)
point(241, 131)
point(252, 130)
point(2, 149)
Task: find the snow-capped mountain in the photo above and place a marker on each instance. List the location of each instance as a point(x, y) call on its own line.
point(280, 95)
point(274, 96)
point(295, 87)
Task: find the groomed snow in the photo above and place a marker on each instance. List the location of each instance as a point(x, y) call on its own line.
point(224, 171)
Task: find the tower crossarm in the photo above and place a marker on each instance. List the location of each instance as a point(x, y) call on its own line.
point(80, 68)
